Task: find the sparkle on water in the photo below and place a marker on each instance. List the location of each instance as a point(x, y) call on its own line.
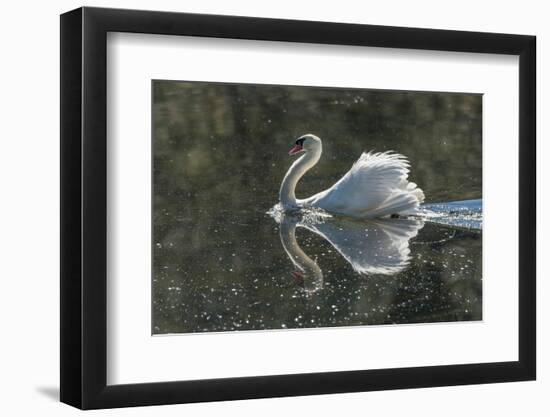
point(223, 261)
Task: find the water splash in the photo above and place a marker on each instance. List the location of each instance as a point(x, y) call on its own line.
point(467, 214)
point(305, 215)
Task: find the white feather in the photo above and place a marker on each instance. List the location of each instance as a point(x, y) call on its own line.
point(375, 186)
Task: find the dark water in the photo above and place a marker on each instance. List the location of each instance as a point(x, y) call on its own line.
point(222, 263)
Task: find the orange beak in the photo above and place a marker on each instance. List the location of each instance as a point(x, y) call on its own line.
point(295, 149)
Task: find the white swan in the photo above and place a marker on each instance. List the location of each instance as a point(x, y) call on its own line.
point(375, 186)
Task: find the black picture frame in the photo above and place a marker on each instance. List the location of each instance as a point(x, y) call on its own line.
point(84, 207)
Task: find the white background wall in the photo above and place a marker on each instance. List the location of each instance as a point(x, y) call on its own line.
point(29, 175)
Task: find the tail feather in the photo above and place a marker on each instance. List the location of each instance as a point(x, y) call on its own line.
point(402, 203)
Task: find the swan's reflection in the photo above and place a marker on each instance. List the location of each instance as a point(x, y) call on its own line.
point(307, 271)
point(371, 247)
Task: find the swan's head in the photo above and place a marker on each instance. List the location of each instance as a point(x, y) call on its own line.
point(306, 143)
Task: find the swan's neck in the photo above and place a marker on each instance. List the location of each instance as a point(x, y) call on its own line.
point(287, 195)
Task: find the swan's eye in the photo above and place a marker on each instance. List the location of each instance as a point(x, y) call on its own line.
point(300, 142)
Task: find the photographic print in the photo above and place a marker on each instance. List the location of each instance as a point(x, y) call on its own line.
point(292, 207)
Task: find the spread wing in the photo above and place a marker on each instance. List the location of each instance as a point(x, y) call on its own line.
point(376, 185)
